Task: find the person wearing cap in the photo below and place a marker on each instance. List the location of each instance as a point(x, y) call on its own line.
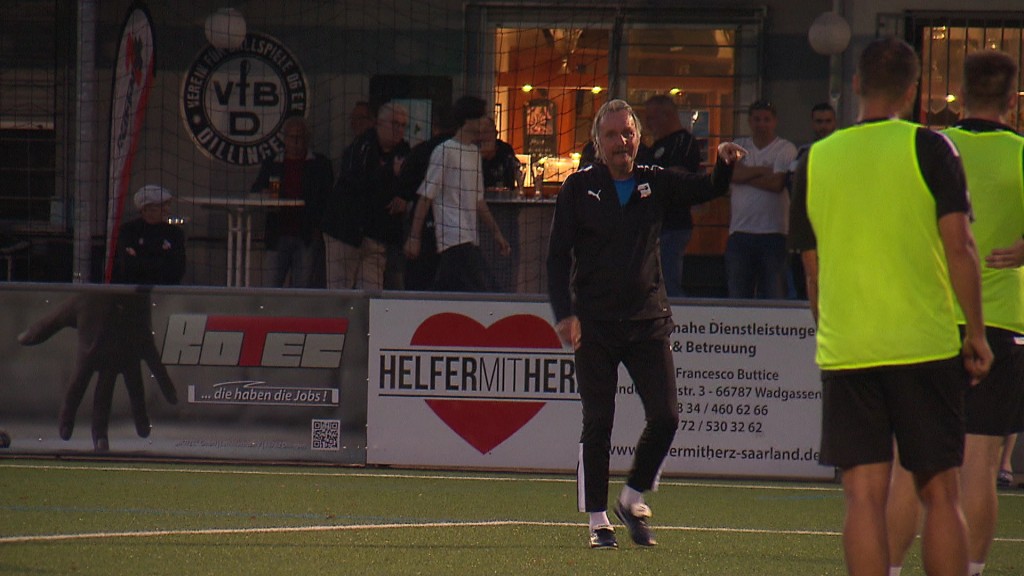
point(149, 249)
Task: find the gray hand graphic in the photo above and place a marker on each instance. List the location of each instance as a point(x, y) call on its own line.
point(114, 335)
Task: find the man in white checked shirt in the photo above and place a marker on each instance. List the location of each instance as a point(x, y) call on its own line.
point(454, 187)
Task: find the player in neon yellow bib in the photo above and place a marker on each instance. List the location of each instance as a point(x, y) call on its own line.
point(880, 214)
point(993, 157)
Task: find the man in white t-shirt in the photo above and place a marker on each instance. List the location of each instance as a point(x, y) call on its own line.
point(454, 187)
point(755, 256)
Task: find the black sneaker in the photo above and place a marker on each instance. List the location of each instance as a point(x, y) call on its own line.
point(1005, 479)
point(603, 537)
point(635, 520)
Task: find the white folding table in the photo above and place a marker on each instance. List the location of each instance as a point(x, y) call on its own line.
point(239, 210)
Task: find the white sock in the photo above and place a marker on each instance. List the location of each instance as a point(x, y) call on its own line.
point(976, 568)
point(895, 570)
point(599, 519)
point(628, 497)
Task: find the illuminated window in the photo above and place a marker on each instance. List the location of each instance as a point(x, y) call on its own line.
point(943, 40)
point(573, 63)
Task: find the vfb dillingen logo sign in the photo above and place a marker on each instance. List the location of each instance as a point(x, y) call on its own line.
point(234, 102)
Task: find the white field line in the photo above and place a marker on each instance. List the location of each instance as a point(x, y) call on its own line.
point(791, 487)
point(420, 476)
point(355, 527)
point(352, 527)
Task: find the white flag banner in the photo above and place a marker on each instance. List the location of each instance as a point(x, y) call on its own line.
point(133, 78)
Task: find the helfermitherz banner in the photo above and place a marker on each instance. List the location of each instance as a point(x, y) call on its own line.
point(268, 374)
point(487, 384)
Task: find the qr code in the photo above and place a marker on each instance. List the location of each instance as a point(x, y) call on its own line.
point(326, 435)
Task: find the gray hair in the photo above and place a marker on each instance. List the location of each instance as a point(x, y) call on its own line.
point(608, 108)
point(391, 109)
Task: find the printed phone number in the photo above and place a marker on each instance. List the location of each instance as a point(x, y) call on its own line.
point(722, 408)
point(722, 426)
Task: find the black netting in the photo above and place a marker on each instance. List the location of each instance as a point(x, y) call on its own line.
point(214, 113)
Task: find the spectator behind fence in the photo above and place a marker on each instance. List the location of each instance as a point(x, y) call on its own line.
point(361, 118)
point(673, 148)
point(823, 123)
point(755, 254)
point(454, 188)
point(420, 271)
point(364, 218)
point(293, 232)
point(501, 171)
point(499, 158)
point(149, 249)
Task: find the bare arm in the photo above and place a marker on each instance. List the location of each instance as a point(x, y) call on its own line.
point(568, 329)
point(763, 177)
point(419, 216)
point(965, 275)
point(1009, 257)
point(772, 182)
point(810, 260)
point(743, 174)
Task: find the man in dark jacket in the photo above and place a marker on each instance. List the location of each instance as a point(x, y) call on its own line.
point(149, 249)
point(608, 296)
point(674, 148)
point(364, 218)
point(293, 232)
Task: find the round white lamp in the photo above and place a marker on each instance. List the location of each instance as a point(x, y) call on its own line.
point(829, 34)
point(225, 29)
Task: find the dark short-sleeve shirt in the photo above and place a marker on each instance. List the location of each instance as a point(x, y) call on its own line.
point(942, 173)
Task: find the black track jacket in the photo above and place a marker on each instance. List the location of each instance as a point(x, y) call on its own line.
point(603, 259)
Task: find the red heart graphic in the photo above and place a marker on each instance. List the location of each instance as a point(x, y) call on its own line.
point(485, 424)
point(517, 331)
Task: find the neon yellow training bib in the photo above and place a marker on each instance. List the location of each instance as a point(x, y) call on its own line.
point(885, 295)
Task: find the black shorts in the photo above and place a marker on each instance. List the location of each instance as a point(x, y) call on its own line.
point(922, 405)
point(995, 407)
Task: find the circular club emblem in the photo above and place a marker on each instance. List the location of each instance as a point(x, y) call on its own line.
point(233, 103)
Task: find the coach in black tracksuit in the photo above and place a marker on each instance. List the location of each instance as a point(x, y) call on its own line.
point(608, 296)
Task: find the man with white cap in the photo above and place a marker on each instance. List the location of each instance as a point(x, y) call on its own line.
point(149, 249)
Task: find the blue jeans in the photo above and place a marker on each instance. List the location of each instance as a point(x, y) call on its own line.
point(755, 265)
point(295, 256)
point(673, 246)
